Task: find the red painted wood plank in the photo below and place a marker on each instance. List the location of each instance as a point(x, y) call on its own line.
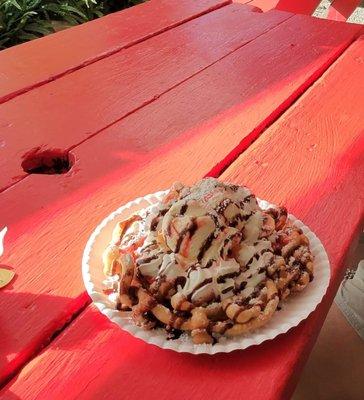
point(297, 7)
point(69, 110)
point(142, 153)
point(264, 5)
point(310, 159)
point(319, 177)
point(39, 61)
point(340, 10)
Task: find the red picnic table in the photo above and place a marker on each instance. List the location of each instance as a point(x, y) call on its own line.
point(124, 106)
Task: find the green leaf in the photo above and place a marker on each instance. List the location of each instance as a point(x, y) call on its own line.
point(22, 20)
point(41, 28)
point(74, 10)
point(98, 13)
point(3, 41)
point(27, 36)
point(15, 4)
point(71, 20)
point(51, 7)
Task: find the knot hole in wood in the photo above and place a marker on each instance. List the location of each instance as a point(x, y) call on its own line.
point(49, 162)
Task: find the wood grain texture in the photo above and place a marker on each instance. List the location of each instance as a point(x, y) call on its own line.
point(71, 109)
point(312, 160)
point(176, 137)
point(340, 10)
point(26, 66)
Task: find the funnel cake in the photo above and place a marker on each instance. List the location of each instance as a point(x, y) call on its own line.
point(207, 260)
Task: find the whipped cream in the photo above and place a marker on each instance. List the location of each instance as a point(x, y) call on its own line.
point(208, 235)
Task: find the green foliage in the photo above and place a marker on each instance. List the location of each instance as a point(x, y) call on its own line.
point(22, 20)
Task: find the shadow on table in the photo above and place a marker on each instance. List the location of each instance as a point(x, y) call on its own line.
point(26, 339)
point(111, 363)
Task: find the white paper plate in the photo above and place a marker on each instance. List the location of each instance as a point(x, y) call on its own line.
point(295, 310)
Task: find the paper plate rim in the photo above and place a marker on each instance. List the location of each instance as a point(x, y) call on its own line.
point(226, 345)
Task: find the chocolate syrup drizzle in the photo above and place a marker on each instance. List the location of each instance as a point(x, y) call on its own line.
point(199, 286)
point(190, 229)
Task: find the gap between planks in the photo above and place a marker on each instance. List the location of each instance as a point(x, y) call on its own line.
point(156, 97)
point(110, 53)
point(221, 166)
point(46, 343)
point(216, 171)
point(247, 141)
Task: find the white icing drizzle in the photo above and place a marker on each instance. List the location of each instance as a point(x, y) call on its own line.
point(253, 227)
point(198, 230)
point(170, 268)
point(213, 287)
point(252, 258)
point(152, 267)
